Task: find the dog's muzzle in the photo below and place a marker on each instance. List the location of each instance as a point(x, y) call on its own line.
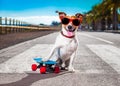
point(70, 28)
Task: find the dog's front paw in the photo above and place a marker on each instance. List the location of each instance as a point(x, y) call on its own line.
point(71, 69)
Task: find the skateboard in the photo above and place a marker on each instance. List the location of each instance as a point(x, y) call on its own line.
point(45, 67)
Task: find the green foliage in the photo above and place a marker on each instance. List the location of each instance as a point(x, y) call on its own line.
point(106, 10)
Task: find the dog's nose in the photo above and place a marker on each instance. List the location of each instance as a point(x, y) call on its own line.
point(69, 27)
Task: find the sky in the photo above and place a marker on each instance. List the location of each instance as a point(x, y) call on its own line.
point(43, 11)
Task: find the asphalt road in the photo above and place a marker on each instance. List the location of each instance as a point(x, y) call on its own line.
point(97, 62)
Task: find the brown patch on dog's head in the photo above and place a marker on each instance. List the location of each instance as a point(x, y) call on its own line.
point(80, 16)
point(61, 14)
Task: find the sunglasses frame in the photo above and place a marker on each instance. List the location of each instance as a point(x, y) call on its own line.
point(70, 20)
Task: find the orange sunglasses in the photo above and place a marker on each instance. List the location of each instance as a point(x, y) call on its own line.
point(66, 20)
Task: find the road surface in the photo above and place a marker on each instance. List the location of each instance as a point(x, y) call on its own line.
point(97, 62)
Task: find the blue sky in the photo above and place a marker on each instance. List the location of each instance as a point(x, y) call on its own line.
point(28, 10)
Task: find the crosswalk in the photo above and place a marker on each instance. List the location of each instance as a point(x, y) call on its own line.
point(91, 58)
point(93, 37)
point(108, 53)
point(22, 62)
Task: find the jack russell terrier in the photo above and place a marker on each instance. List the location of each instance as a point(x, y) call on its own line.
point(64, 49)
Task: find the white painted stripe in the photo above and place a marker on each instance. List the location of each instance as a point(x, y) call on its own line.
point(22, 62)
point(90, 71)
point(96, 38)
point(109, 54)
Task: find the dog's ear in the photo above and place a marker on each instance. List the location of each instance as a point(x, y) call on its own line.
point(61, 14)
point(80, 16)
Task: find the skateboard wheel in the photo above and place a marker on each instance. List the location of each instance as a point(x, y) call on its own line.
point(43, 69)
point(34, 67)
point(56, 69)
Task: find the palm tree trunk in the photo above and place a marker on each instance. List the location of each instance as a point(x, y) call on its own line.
point(115, 18)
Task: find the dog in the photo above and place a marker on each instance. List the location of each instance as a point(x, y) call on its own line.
point(65, 47)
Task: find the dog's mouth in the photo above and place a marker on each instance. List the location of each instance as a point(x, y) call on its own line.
point(70, 32)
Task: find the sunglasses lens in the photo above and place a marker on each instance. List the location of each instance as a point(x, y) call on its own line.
point(65, 21)
point(76, 22)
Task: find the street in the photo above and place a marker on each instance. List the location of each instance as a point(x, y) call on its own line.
point(97, 62)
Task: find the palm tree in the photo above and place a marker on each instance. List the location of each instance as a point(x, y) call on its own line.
point(113, 6)
point(116, 4)
point(96, 16)
point(106, 12)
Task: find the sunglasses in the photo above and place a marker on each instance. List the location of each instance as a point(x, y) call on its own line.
point(75, 21)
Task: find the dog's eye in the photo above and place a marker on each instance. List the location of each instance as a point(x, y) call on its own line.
point(65, 21)
point(76, 22)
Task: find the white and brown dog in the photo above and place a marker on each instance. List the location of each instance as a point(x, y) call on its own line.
point(64, 50)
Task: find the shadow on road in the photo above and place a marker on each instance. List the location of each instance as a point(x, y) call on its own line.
point(33, 77)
